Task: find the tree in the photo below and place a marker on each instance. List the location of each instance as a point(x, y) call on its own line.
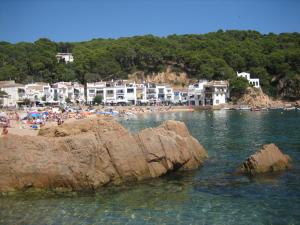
point(238, 86)
point(68, 100)
point(2, 93)
point(97, 99)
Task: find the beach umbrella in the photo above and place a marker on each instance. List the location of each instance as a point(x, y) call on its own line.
point(35, 115)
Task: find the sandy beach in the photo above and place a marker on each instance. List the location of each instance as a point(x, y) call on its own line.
point(23, 128)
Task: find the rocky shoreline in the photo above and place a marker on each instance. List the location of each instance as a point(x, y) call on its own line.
point(91, 153)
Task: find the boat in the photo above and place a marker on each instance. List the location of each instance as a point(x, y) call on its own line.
point(289, 108)
point(244, 107)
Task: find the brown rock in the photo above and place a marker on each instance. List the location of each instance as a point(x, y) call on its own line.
point(90, 153)
point(267, 159)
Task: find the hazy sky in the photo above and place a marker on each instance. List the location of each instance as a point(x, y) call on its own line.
point(78, 20)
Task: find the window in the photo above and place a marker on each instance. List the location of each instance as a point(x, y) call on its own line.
point(91, 91)
point(130, 90)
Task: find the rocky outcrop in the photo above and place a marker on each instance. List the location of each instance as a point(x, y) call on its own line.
point(91, 153)
point(168, 76)
point(267, 159)
point(255, 98)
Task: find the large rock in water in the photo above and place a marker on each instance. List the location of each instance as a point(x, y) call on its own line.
point(91, 153)
point(267, 159)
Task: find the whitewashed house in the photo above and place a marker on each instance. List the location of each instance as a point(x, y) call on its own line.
point(215, 92)
point(35, 92)
point(67, 57)
point(180, 96)
point(77, 93)
point(252, 81)
point(131, 93)
point(196, 93)
point(94, 89)
point(164, 93)
point(151, 93)
point(141, 94)
point(15, 93)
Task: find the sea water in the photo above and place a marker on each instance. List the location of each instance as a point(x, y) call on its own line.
point(210, 195)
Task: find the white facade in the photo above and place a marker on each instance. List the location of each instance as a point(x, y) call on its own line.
point(180, 96)
point(208, 93)
point(116, 92)
point(96, 88)
point(164, 93)
point(252, 81)
point(124, 92)
point(67, 57)
point(61, 91)
point(15, 93)
point(36, 91)
point(216, 92)
point(196, 93)
point(119, 92)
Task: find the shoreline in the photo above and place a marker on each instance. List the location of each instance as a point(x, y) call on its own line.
point(23, 129)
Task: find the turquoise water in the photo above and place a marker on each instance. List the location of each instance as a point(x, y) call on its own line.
point(210, 195)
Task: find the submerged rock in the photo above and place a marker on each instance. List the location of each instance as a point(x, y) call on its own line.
point(267, 159)
point(91, 153)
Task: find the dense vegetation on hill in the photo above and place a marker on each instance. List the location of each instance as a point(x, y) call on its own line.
point(275, 59)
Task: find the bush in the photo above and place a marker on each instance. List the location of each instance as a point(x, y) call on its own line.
point(97, 99)
point(68, 100)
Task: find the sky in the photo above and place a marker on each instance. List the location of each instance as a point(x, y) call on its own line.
point(82, 20)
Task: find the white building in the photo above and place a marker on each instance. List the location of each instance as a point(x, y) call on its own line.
point(67, 57)
point(61, 91)
point(196, 93)
point(180, 96)
point(215, 92)
point(15, 93)
point(252, 81)
point(35, 92)
point(119, 92)
point(131, 93)
point(151, 93)
point(164, 93)
point(205, 93)
point(94, 89)
point(140, 90)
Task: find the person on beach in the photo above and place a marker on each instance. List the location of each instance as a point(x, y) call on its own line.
point(4, 130)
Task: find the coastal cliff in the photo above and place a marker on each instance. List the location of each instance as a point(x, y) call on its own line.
point(256, 98)
point(87, 154)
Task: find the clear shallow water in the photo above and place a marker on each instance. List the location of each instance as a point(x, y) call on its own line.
point(210, 195)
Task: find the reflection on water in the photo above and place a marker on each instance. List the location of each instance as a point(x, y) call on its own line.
point(210, 195)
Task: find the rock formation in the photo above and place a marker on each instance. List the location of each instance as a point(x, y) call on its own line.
point(267, 159)
point(176, 79)
point(91, 153)
point(256, 98)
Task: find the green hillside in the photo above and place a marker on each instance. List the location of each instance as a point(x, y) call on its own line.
point(275, 59)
